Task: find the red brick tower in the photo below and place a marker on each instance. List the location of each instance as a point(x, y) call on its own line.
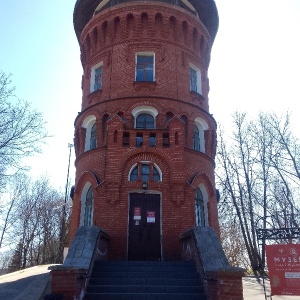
point(145, 141)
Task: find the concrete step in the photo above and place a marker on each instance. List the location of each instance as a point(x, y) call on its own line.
point(142, 289)
point(147, 280)
point(150, 296)
point(124, 274)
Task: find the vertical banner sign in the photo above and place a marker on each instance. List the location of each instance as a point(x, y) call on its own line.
point(150, 216)
point(284, 269)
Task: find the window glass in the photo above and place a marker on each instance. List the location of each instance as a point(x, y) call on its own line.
point(152, 140)
point(139, 139)
point(88, 207)
point(134, 174)
point(156, 175)
point(199, 208)
point(145, 172)
point(193, 80)
point(93, 137)
point(145, 68)
point(98, 79)
point(196, 139)
point(145, 121)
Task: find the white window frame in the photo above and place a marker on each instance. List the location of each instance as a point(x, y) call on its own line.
point(83, 201)
point(92, 79)
point(88, 124)
point(145, 53)
point(205, 202)
point(144, 110)
point(202, 126)
point(146, 163)
point(199, 79)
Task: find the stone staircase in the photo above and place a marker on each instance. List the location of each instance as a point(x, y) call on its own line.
point(144, 280)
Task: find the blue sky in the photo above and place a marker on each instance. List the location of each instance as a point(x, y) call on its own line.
point(255, 65)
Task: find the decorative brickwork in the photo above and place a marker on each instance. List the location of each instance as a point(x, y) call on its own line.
point(145, 141)
point(177, 39)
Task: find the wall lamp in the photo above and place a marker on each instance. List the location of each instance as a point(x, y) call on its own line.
point(145, 185)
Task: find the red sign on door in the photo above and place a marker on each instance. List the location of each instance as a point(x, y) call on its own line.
point(150, 216)
point(137, 213)
point(284, 269)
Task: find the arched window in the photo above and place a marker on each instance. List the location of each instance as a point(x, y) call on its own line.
point(88, 213)
point(200, 126)
point(93, 137)
point(196, 139)
point(134, 174)
point(89, 124)
point(156, 175)
point(145, 121)
point(199, 208)
point(144, 117)
point(143, 171)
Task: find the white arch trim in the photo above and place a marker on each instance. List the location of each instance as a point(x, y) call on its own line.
point(202, 126)
point(89, 119)
point(144, 109)
point(146, 163)
point(201, 122)
point(88, 123)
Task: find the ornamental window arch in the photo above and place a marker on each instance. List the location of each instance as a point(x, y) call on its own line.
point(201, 201)
point(200, 126)
point(87, 205)
point(89, 124)
point(144, 117)
point(145, 171)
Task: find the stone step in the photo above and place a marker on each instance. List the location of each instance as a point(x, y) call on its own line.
point(147, 281)
point(142, 266)
point(144, 263)
point(142, 289)
point(144, 280)
point(149, 296)
point(179, 275)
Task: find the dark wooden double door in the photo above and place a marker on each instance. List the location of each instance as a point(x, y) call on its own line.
point(144, 241)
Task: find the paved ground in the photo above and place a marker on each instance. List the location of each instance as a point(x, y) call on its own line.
point(33, 284)
point(253, 290)
point(28, 284)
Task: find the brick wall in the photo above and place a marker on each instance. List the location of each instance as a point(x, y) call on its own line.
point(177, 38)
point(220, 280)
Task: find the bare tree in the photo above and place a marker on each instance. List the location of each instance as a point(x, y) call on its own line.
point(22, 129)
point(15, 188)
point(37, 214)
point(258, 164)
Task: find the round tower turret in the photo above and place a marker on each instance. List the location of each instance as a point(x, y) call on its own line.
point(145, 141)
